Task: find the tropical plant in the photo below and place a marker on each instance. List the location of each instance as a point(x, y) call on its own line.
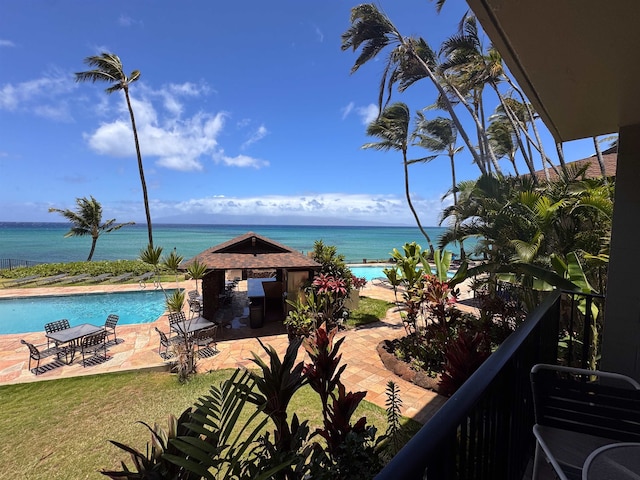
point(87, 220)
point(204, 441)
point(212, 440)
point(392, 127)
point(107, 67)
point(196, 270)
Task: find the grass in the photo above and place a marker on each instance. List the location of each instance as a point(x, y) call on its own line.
point(59, 429)
point(369, 310)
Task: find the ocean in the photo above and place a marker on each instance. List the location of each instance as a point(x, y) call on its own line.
point(45, 242)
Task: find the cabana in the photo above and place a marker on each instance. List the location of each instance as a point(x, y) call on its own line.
point(274, 272)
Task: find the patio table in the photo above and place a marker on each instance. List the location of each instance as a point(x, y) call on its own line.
point(191, 326)
point(72, 336)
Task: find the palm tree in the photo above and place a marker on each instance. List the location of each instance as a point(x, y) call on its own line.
point(392, 126)
point(108, 68)
point(439, 135)
point(86, 220)
point(411, 60)
point(603, 171)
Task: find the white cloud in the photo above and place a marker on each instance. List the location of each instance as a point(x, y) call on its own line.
point(256, 136)
point(177, 143)
point(368, 114)
point(127, 21)
point(319, 34)
point(239, 161)
point(42, 96)
point(358, 207)
point(6, 43)
point(347, 110)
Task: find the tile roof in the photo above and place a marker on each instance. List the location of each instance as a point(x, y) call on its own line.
point(252, 251)
point(609, 157)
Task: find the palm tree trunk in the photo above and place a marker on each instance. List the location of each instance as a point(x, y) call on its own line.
point(94, 240)
point(515, 124)
point(140, 169)
point(463, 254)
point(600, 159)
point(408, 195)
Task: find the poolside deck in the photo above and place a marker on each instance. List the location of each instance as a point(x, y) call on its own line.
point(137, 348)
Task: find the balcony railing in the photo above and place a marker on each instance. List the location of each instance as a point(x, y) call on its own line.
point(484, 430)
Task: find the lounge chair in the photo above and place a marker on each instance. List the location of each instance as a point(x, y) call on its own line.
point(99, 278)
point(141, 279)
point(52, 279)
point(110, 326)
point(121, 277)
point(35, 354)
point(75, 278)
point(21, 281)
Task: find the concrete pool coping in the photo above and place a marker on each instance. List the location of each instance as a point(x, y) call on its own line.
point(139, 351)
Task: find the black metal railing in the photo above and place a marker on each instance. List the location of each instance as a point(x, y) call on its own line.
point(10, 263)
point(484, 430)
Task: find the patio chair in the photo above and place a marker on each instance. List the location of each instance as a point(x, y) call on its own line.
point(35, 354)
point(55, 327)
point(204, 339)
point(166, 342)
point(91, 347)
point(195, 308)
point(578, 411)
point(175, 318)
point(110, 326)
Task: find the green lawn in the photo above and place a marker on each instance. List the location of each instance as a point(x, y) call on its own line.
point(59, 429)
point(369, 310)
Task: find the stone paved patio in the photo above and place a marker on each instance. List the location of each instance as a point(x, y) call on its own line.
point(137, 348)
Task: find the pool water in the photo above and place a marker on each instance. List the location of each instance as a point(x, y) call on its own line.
point(29, 314)
point(369, 273)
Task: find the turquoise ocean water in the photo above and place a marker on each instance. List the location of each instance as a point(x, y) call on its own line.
point(45, 242)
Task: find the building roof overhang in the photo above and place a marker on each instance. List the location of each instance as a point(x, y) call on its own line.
point(574, 59)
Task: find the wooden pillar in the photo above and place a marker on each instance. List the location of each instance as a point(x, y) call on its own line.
point(621, 334)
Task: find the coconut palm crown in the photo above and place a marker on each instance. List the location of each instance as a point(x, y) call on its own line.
point(87, 220)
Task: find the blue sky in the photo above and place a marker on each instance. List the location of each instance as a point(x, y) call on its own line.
point(247, 113)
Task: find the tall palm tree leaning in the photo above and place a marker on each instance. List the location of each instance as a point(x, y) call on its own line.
point(392, 126)
point(87, 220)
point(108, 68)
point(439, 135)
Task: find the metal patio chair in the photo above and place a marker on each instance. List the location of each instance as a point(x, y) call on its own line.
point(578, 411)
point(35, 354)
point(204, 339)
point(167, 342)
point(55, 327)
point(92, 345)
point(110, 326)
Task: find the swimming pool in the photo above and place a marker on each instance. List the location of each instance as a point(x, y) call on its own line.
point(29, 314)
point(371, 272)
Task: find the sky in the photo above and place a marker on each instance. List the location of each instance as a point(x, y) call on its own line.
point(247, 113)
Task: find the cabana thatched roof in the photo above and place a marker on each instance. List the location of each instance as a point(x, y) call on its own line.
point(252, 251)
